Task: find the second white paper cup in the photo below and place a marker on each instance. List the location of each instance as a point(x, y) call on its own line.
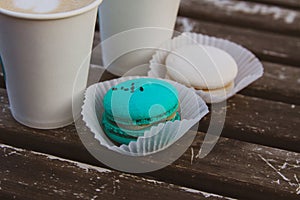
point(131, 31)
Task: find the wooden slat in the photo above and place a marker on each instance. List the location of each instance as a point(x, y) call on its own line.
point(245, 170)
point(261, 121)
point(31, 175)
point(245, 14)
point(234, 168)
point(294, 4)
point(279, 83)
point(267, 46)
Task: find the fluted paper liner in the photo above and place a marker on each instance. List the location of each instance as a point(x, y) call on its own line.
point(249, 67)
point(192, 109)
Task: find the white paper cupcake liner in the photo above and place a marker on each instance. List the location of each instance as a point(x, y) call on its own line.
point(192, 109)
point(249, 67)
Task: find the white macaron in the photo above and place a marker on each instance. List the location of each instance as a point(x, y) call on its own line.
point(202, 67)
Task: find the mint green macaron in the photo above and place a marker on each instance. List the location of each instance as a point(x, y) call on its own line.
point(134, 106)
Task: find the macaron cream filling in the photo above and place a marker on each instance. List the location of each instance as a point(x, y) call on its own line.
point(132, 131)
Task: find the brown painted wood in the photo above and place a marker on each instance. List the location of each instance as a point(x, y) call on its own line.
point(96, 39)
point(31, 175)
point(267, 46)
point(245, 14)
point(243, 170)
point(260, 121)
point(294, 4)
point(279, 83)
point(234, 168)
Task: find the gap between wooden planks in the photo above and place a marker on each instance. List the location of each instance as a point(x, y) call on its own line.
point(234, 168)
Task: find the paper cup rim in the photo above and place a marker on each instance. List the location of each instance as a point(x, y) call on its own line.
point(49, 16)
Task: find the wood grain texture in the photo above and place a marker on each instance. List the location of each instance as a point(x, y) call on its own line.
point(260, 121)
point(245, 14)
point(270, 47)
point(279, 83)
point(294, 4)
point(234, 168)
point(30, 175)
point(244, 170)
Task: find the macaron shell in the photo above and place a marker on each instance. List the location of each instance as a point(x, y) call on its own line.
point(119, 139)
point(202, 67)
point(141, 101)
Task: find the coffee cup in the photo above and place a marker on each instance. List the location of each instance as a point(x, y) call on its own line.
point(132, 30)
point(46, 56)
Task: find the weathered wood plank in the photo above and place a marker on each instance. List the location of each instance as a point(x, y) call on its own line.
point(294, 4)
point(261, 121)
point(234, 168)
point(267, 46)
point(30, 175)
point(245, 14)
point(279, 83)
point(245, 170)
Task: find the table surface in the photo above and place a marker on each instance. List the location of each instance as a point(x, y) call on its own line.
point(257, 156)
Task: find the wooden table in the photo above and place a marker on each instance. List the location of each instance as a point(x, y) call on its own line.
point(257, 156)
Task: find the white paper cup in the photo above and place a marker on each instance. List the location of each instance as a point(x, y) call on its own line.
point(131, 31)
point(42, 54)
point(249, 67)
point(192, 109)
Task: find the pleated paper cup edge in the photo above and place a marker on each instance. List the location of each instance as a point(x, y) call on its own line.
point(88, 102)
point(187, 38)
